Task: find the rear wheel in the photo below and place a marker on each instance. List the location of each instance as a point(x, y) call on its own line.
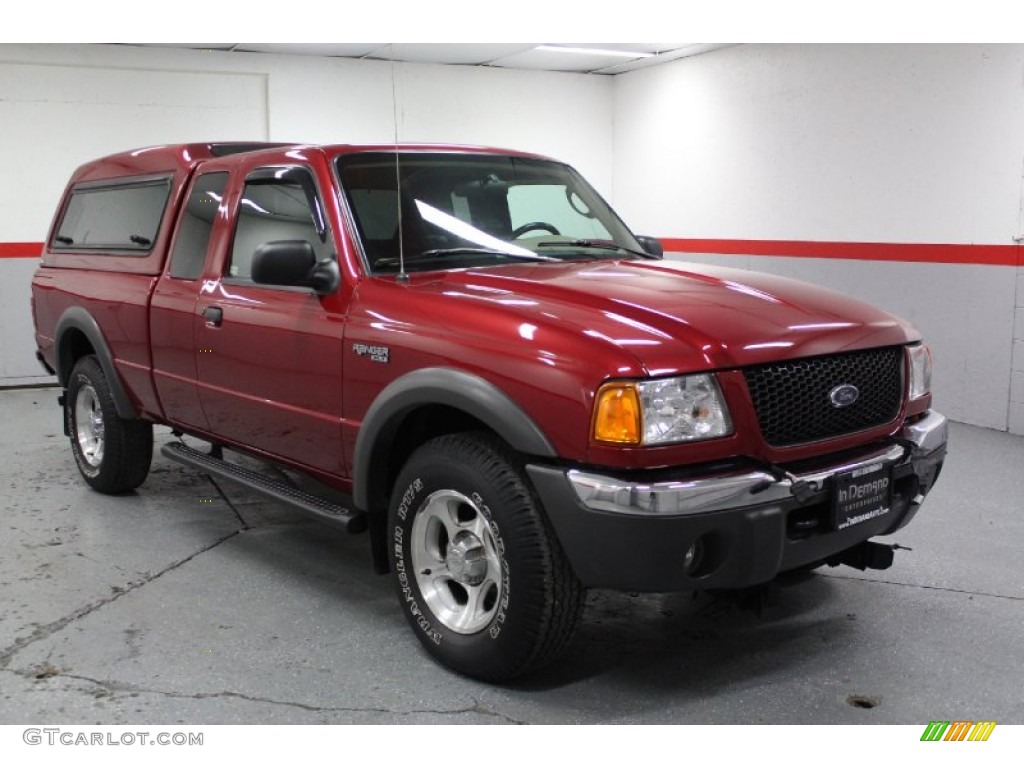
point(480, 575)
point(113, 454)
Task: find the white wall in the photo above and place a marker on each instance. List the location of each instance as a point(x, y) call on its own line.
point(1017, 383)
point(55, 117)
point(889, 144)
point(63, 105)
point(892, 144)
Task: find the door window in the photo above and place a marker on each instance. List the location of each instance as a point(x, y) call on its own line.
point(277, 204)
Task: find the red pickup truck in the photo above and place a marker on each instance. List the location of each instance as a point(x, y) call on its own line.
point(521, 398)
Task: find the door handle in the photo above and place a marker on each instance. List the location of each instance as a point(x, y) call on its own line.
point(214, 316)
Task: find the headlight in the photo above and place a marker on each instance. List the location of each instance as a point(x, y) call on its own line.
point(660, 411)
point(920, 370)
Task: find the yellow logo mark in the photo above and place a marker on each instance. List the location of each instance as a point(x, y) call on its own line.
point(982, 731)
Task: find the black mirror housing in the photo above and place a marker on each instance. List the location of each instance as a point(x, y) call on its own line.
point(293, 263)
point(651, 245)
point(325, 277)
point(283, 262)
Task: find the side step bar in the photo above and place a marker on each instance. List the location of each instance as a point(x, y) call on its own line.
point(314, 506)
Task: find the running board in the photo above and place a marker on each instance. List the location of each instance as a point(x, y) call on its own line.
point(314, 506)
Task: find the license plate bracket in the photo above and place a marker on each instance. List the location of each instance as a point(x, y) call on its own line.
point(861, 494)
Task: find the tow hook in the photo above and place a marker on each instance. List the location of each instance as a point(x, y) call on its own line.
point(867, 555)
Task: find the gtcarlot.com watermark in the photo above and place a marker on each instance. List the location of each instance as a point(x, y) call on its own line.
point(73, 738)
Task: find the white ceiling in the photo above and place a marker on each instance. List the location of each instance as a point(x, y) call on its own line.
point(508, 55)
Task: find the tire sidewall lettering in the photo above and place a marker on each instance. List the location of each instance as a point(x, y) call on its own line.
point(405, 584)
point(500, 617)
point(403, 508)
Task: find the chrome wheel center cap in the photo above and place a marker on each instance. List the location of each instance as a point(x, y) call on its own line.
point(466, 559)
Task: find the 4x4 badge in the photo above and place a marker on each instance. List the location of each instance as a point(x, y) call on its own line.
point(844, 395)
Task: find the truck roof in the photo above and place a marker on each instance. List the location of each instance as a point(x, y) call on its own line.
point(174, 157)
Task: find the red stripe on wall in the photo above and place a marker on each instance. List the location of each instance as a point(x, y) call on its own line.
point(927, 253)
point(997, 255)
point(20, 250)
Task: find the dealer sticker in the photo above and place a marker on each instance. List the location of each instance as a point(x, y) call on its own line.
point(861, 495)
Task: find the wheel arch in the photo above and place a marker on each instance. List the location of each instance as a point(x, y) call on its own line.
point(423, 404)
point(78, 334)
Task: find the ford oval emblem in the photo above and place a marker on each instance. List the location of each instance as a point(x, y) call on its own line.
point(844, 395)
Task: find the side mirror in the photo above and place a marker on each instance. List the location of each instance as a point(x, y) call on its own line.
point(651, 245)
point(325, 277)
point(293, 263)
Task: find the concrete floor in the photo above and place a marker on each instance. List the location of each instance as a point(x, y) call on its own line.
point(188, 602)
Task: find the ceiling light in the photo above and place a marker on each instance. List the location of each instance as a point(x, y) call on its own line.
point(594, 51)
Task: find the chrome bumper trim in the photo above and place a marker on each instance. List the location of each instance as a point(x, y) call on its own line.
point(718, 493)
point(929, 433)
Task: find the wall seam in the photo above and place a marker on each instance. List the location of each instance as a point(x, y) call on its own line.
point(1011, 405)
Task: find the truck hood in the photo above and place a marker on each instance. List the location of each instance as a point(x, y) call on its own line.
point(673, 317)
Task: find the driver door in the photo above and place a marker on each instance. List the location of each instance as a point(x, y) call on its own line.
point(269, 359)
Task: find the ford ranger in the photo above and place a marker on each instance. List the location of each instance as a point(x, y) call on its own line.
point(521, 398)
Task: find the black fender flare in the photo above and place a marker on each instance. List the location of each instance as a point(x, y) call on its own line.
point(437, 386)
point(77, 318)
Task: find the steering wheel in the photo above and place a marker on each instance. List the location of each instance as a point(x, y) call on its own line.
point(534, 225)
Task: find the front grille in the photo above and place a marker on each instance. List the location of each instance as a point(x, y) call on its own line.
point(793, 402)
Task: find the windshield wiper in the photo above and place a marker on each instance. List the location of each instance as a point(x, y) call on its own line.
point(442, 252)
point(604, 245)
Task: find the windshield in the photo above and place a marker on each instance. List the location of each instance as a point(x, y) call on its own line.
point(461, 210)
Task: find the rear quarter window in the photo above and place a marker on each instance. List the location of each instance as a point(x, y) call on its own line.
point(195, 225)
point(124, 216)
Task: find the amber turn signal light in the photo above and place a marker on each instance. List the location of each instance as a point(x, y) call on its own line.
point(617, 414)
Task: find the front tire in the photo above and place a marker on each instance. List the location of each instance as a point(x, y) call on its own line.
point(481, 577)
point(113, 454)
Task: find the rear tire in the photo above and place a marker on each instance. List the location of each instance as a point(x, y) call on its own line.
point(481, 578)
point(113, 454)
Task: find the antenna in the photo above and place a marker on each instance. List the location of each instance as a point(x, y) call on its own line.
point(402, 275)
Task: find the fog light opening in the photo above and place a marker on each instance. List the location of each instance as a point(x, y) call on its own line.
point(694, 557)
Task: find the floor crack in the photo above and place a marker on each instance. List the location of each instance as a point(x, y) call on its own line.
point(114, 688)
point(921, 586)
point(43, 631)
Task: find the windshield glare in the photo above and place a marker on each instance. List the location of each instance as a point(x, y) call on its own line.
point(458, 210)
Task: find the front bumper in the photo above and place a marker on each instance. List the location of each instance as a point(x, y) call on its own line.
point(633, 534)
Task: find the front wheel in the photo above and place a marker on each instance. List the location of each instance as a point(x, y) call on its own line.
point(113, 454)
point(480, 576)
